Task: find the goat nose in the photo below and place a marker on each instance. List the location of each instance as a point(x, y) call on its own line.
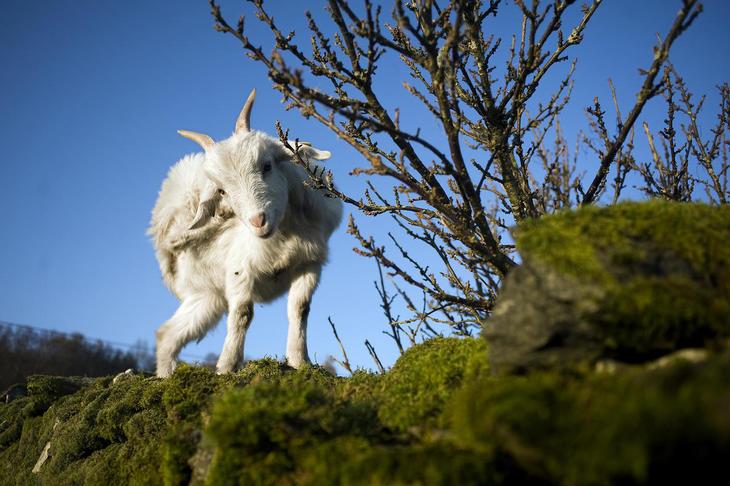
point(258, 221)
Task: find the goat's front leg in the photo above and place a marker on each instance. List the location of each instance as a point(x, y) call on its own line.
point(240, 313)
point(239, 318)
point(300, 297)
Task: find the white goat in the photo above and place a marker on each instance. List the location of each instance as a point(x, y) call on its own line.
point(237, 226)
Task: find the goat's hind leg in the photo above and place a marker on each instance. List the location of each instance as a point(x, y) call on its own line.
point(195, 316)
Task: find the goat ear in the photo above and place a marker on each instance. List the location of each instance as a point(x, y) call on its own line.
point(243, 124)
point(306, 149)
point(200, 138)
point(210, 198)
point(317, 154)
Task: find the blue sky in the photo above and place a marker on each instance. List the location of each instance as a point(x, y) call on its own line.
point(91, 96)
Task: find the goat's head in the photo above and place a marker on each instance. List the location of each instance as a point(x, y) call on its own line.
point(246, 172)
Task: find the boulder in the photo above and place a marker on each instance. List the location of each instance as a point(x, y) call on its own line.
point(629, 283)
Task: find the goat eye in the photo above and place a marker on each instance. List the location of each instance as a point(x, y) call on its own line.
point(267, 167)
point(221, 192)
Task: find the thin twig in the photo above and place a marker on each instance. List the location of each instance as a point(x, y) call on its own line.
point(374, 355)
point(345, 363)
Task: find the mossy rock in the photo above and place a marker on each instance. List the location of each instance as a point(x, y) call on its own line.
point(440, 462)
point(424, 377)
point(44, 390)
point(270, 424)
point(362, 385)
point(292, 430)
point(300, 430)
point(630, 282)
point(140, 430)
point(641, 426)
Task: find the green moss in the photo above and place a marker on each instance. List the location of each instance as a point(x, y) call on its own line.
point(263, 369)
point(658, 427)
point(110, 430)
point(424, 377)
point(137, 431)
point(295, 430)
point(573, 241)
point(662, 270)
point(433, 463)
point(44, 390)
point(270, 424)
point(281, 431)
point(11, 421)
point(140, 430)
point(361, 386)
point(188, 393)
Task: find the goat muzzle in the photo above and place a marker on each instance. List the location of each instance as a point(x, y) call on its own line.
point(258, 221)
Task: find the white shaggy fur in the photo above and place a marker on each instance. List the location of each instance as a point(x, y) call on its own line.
point(234, 226)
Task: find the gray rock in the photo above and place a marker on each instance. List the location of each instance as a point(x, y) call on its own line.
point(542, 320)
point(123, 374)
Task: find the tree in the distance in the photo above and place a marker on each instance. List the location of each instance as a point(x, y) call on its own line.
point(26, 351)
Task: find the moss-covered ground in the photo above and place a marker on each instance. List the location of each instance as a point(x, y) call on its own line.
point(440, 415)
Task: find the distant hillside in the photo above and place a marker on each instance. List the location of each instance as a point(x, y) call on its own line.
point(25, 351)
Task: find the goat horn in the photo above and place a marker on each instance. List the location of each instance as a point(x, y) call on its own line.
point(243, 124)
point(200, 138)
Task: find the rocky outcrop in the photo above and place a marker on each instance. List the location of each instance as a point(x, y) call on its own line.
point(628, 283)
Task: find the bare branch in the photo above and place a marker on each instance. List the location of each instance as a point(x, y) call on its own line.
point(345, 363)
point(687, 14)
point(374, 355)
